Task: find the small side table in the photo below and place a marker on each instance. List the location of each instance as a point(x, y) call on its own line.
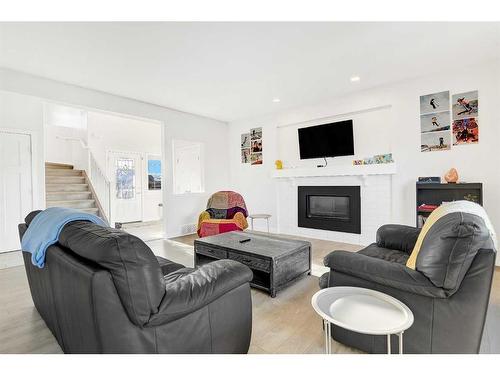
point(259, 216)
point(362, 310)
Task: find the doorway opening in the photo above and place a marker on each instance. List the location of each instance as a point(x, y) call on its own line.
point(115, 159)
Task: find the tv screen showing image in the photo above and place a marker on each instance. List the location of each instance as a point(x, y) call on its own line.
point(328, 140)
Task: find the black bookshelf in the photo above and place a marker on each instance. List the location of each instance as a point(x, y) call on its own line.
point(436, 194)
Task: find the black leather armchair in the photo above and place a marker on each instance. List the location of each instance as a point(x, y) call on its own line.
point(448, 292)
point(103, 291)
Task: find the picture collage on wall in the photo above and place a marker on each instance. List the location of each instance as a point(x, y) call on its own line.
point(251, 147)
point(436, 120)
point(465, 110)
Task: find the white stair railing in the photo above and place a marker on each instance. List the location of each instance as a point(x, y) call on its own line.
point(101, 185)
point(84, 159)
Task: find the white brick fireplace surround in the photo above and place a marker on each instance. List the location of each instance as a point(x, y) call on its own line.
point(376, 208)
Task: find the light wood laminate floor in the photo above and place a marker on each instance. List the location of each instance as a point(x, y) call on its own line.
point(285, 324)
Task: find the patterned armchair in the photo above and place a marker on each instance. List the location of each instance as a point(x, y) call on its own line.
point(226, 211)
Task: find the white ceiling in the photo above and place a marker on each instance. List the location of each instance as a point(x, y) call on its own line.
point(230, 71)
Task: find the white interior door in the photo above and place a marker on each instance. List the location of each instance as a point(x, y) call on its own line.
point(126, 179)
point(16, 196)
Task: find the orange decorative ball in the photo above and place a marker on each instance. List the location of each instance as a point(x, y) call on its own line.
point(451, 176)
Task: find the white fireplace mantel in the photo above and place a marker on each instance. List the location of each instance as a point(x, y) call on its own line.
point(338, 170)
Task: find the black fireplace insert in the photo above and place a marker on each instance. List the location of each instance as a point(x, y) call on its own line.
point(336, 208)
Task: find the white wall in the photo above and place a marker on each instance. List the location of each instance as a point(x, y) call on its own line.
point(58, 149)
point(62, 123)
point(25, 111)
point(397, 130)
point(369, 140)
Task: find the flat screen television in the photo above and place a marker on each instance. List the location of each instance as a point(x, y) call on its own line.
point(328, 140)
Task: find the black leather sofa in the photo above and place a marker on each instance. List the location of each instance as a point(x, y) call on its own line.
point(448, 292)
point(103, 291)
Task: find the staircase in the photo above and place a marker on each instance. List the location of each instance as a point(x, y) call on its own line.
point(68, 187)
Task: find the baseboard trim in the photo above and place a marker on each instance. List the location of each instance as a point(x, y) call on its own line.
point(170, 236)
point(10, 259)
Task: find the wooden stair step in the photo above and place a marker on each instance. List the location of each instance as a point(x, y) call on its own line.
point(64, 180)
point(91, 210)
point(62, 172)
point(66, 187)
point(67, 195)
point(58, 165)
point(86, 203)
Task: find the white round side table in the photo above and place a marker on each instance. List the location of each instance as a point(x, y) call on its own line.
point(362, 310)
point(259, 216)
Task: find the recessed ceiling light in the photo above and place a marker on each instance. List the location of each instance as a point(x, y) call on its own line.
point(355, 79)
point(276, 100)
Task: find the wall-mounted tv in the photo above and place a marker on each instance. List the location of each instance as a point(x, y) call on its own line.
point(328, 140)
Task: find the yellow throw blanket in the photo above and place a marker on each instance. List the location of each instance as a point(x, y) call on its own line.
point(443, 210)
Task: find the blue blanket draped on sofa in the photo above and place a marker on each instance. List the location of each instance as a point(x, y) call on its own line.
point(45, 228)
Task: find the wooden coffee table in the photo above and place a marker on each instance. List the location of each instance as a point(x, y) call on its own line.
point(276, 262)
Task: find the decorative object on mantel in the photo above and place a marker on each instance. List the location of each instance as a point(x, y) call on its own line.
point(435, 122)
point(465, 110)
point(337, 170)
point(376, 159)
point(429, 180)
point(279, 164)
point(451, 176)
